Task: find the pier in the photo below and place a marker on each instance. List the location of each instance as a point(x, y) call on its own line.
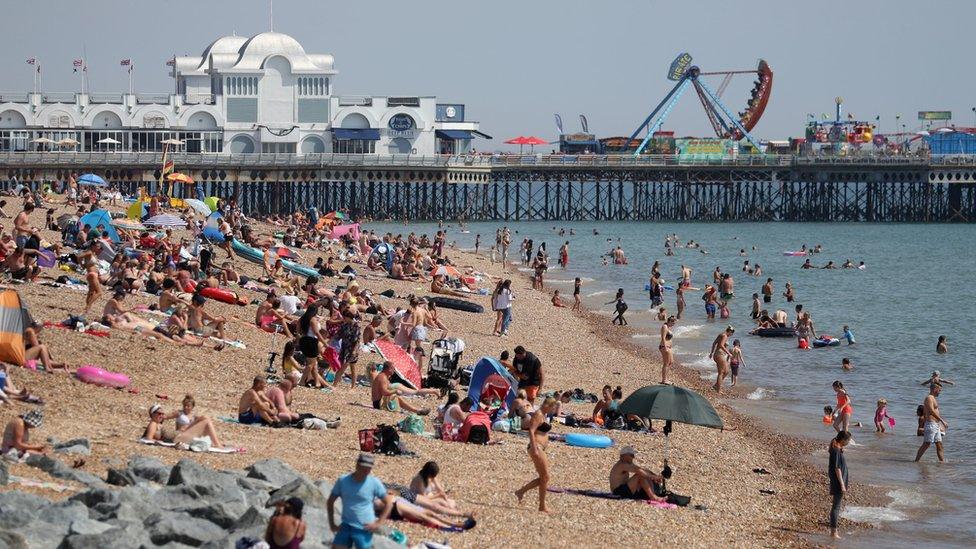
point(550, 187)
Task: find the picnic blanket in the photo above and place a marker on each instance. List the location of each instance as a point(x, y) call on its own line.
point(180, 446)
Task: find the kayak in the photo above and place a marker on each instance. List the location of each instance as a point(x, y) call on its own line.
point(222, 294)
point(257, 256)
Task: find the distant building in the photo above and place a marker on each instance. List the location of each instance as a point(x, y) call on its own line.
point(262, 94)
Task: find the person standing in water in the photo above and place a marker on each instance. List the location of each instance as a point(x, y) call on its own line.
point(735, 360)
point(665, 347)
point(720, 354)
point(932, 432)
point(680, 305)
point(837, 475)
point(942, 346)
point(477, 243)
point(788, 293)
point(767, 291)
point(844, 409)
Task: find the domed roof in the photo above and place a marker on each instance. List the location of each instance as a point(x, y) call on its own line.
point(225, 44)
point(271, 43)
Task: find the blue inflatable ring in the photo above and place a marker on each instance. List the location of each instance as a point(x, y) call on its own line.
point(588, 441)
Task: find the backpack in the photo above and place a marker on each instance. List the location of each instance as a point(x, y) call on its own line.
point(612, 419)
point(478, 435)
point(387, 440)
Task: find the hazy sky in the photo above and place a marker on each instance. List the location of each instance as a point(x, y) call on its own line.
point(516, 62)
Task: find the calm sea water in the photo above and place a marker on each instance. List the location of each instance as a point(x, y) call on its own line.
point(916, 287)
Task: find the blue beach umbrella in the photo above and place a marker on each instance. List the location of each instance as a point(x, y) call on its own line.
point(92, 180)
point(100, 217)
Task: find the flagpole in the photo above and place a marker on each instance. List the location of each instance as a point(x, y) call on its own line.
point(131, 66)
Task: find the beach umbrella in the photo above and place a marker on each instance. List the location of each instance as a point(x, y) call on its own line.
point(335, 215)
point(129, 224)
point(179, 178)
point(164, 220)
point(211, 227)
point(137, 210)
point(43, 141)
point(198, 206)
point(13, 321)
point(65, 219)
point(284, 252)
point(445, 270)
point(68, 142)
point(671, 403)
point(92, 180)
point(109, 141)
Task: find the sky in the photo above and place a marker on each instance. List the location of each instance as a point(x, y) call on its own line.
point(514, 63)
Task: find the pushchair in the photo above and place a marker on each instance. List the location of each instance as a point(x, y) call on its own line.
point(444, 364)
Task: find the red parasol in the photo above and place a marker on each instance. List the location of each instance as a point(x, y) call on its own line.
point(530, 140)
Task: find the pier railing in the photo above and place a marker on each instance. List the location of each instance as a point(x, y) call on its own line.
point(473, 161)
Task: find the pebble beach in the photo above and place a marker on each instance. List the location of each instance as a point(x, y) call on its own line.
point(738, 507)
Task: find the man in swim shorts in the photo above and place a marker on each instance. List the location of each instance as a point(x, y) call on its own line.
point(254, 407)
point(529, 369)
point(767, 291)
point(934, 424)
point(631, 481)
point(386, 395)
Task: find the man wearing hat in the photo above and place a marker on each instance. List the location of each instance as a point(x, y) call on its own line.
point(358, 490)
point(16, 436)
point(631, 481)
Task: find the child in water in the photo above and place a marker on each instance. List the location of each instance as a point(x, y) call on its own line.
point(723, 309)
point(846, 364)
point(920, 412)
point(880, 415)
point(828, 417)
point(849, 335)
point(735, 360)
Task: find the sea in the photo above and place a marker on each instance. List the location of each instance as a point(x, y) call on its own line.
point(915, 287)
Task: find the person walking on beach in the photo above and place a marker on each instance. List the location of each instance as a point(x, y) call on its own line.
point(620, 308)
point(934, 424)
point(538, 430)
point(501, 303)
point(720, 354)
point(664, 346)
point(577, 301)
point(477, 243)
point(837, 475)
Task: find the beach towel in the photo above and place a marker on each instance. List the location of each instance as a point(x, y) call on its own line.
point(607, 495)
point(178, 446)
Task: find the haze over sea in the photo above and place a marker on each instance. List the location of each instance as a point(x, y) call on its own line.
point(916, 287)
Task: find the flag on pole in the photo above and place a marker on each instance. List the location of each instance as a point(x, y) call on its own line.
point(559, 123)
point(31, 60)
point(77, 63)
point(126, 63)
point(171, 62)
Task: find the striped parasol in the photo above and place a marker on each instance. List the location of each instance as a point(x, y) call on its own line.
point(164, 220)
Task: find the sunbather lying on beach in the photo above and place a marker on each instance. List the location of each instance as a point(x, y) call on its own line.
point(403, 509)
point(438, 286)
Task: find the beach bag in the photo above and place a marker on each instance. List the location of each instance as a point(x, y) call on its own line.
point(387, 440)
point(201, 444)
point(367, 440)
point(612, 419)
point(412, 424)
point(314, 424)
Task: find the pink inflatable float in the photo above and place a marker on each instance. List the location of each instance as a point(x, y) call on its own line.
point(97, 376)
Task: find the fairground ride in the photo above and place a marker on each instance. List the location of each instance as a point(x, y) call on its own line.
point(726, 125)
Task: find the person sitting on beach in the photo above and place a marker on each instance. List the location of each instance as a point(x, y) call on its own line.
point(203, 322)
point(281, 396)
point(521, 407)
point(602, 405)
point(254, 407)
point(16, 436)
point(631, 481)
point(430, 494)
point(198, 427)
point(35, 350)
point(9, 391)
point(556, 300)
point(386, 395)
point(169, 297)
point(372, 331)
point(269, 317)
point(455, 413)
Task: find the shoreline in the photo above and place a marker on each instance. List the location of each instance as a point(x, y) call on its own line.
point(793, 453)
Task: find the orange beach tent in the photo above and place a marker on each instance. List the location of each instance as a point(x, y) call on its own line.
point(12, 324)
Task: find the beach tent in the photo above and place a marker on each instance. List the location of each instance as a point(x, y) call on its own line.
point(13, 320)
point(490, 376)
point(100, 217)
point(385, 252)
point(340, 231)
point(138, 210)
point(211, 229)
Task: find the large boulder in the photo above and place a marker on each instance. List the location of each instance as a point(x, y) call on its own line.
point(58, 469)
point(74, 446)
point(275, 471)
point(150, 469)
point(95, 496)
point(204, 480)
point(221, 513)
point(13, 540)
point(11, 501)
point(169, 527)
point(60, 515)
point(88, 527)
point(133, 504)
point(302, 488)
point(121, 477)
point(125, 536)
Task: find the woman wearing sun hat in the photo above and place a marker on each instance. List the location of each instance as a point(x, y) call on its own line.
point(16, 436)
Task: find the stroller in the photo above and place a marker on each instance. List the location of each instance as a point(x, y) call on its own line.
point(443, 367)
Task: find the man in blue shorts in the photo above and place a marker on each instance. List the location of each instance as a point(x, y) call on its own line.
point(358, 490)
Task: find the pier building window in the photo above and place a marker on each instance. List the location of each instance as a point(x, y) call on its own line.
point(15, 140)
point(313, 86)
point(354, 146)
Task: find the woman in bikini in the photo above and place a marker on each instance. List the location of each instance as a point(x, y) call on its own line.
point(156, 431)
point(804, 328)
point(720, 354)
point(286, 529)
point(538, 441)
point(667, 356)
